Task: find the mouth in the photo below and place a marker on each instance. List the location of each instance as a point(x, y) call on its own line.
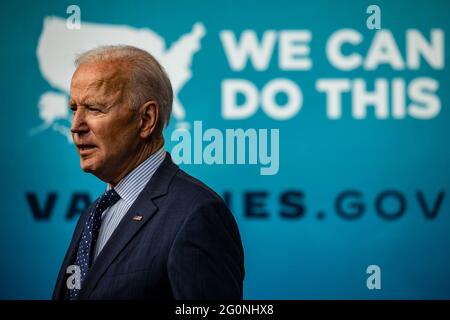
point(85, 149)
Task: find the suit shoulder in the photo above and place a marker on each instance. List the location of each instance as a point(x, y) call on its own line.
point(194, 188)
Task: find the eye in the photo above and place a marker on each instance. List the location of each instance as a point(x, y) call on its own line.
point(94, 109)
point(73, 108)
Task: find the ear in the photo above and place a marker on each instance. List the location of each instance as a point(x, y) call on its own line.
point(149, 115)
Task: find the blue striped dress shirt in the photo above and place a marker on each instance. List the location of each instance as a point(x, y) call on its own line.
point(128, 189)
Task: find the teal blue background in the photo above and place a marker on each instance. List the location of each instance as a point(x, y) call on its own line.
point(304, 258)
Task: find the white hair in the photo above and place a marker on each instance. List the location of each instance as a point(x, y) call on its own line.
point(147, 78)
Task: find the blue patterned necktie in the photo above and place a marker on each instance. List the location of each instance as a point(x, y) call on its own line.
point(89, 238)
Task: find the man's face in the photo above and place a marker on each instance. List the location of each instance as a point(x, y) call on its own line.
point(104, 127)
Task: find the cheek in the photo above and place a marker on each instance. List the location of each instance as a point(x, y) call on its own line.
point(102, 135)
point(113, 136)
point(117, 149)
point(121, 138)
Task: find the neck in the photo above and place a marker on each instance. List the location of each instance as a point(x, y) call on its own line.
point(146, 151)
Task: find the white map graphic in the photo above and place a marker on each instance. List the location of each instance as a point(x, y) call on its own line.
point(58, 47)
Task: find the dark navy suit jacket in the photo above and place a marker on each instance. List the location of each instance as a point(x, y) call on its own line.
point(187, 246)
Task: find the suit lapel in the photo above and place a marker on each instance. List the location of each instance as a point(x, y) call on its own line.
point(128, 227)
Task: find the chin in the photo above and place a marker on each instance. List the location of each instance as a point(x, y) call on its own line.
point(88, 166)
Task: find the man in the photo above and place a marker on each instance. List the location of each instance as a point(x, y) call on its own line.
point(156, 233)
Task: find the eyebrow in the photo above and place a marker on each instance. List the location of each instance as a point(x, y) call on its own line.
point(87, 102)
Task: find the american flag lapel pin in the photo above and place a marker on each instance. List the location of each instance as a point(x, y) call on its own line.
point(137, 217)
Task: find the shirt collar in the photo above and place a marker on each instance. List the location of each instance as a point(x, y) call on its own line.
point(132, 185)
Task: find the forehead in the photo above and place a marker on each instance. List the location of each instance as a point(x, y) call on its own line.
point(99, 79)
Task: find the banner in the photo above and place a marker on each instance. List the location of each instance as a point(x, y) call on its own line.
point(324, 125)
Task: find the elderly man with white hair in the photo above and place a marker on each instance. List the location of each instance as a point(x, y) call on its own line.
point(156, 232)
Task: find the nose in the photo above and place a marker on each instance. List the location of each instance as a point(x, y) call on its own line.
point(79, 124)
